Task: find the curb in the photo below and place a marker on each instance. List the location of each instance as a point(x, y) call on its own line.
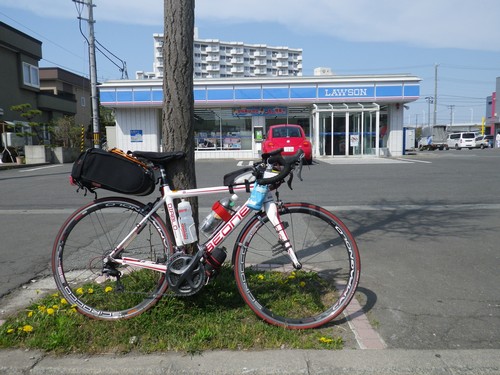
point(352, 362)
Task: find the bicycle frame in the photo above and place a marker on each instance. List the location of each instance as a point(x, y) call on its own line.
point(216, 239)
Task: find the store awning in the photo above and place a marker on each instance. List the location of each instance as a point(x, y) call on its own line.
point(346, 107)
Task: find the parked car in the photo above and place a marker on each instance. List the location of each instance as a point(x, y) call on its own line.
point(463, 139)
point(290, 138)
point(484, 141)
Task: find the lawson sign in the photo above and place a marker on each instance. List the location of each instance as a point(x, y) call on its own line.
point(347, 92)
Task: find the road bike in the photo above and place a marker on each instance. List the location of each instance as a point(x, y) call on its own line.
point(296, 265)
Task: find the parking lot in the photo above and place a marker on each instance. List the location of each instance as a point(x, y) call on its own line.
point(427, 226)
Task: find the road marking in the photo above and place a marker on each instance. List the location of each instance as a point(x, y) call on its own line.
point(39, 168)
point(415, 161)
point(42, 211)
point(241, 163)
point(360, 160)
point(416, 207)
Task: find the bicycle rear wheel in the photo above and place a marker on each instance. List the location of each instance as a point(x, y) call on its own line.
point(305, 298)
point(84, 241)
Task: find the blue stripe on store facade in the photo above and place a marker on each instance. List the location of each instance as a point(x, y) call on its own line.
point(153, 95)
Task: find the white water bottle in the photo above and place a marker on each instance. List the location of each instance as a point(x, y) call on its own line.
point(186, 222)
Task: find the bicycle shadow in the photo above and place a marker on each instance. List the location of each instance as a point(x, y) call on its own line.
point(366, 298)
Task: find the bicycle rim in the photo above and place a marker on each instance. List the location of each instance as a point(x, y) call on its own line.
point(284, 296)
point(84, 241)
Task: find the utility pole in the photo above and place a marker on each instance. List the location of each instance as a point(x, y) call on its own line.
point(429, 100)
point(451, 107)
point(435, 93)
point(93, 72)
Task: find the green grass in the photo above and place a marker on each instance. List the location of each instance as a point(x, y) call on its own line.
point(214, 319)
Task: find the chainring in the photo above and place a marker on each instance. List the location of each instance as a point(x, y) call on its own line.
point(192, 281)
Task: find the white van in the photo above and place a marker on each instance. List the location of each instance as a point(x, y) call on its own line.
point(459, 140)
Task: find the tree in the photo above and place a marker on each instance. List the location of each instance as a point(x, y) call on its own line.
point(66, 133)
point(178, 102)
point(28, 114)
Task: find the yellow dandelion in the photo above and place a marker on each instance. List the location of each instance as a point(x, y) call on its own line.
point(302, 284)
point(27, 328)
point(79, 291)
point(71, 311)
point(108, 289)
point(55, 307)
point(64, 301)
point(90, 290)
point(261, 277)
point(42, 308)
point(10, 330)
point(50, 311)
point(55, 295)
point(30, 314)
point(326, 340)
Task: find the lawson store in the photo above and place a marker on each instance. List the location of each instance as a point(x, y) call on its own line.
point(344, 116)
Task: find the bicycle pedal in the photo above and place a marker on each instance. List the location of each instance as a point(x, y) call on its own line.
point(111, 272)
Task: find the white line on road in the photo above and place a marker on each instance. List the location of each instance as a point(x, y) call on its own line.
point(39, 168)
point(415, 161)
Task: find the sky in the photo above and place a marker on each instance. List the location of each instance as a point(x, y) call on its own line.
point(452, 44)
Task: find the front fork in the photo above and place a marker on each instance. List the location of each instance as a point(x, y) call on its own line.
point(273, 215)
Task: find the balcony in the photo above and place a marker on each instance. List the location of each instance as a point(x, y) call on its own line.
point(213, 58)
point(237, 61)
point(64, 102)
point(213, 49)
point(213, 68)
point(236, 51)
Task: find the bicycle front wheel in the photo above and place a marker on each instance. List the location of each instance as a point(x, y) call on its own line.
point(282, 295)
point(110, 291)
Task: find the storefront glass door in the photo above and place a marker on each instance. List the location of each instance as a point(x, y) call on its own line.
point(349, 132)
point(332, 134)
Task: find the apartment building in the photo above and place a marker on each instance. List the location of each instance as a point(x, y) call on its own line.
point(216, 59)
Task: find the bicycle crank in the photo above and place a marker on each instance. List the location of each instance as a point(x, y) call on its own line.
point(185, 274)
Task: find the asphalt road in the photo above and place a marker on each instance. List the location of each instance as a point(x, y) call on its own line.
point(427, 226)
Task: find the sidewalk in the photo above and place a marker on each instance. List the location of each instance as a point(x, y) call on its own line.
point(352, 362)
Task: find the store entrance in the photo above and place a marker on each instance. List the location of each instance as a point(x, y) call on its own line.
point(349, 130)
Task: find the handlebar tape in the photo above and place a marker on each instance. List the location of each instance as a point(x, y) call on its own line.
point(287, 167)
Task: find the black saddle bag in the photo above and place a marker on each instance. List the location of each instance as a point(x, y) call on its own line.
point(112, 170)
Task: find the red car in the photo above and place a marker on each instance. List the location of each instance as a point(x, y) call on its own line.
point(290, 138)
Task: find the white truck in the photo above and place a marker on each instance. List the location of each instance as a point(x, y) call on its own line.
point(433, 137)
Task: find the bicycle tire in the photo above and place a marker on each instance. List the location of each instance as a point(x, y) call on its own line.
point(87, 237)
point(305, 298)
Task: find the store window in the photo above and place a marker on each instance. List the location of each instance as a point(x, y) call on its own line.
point(218, 129)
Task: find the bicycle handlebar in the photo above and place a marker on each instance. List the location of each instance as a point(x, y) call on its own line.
point(288, 163)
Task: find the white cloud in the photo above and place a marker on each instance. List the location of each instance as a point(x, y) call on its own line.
point(426, 23)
